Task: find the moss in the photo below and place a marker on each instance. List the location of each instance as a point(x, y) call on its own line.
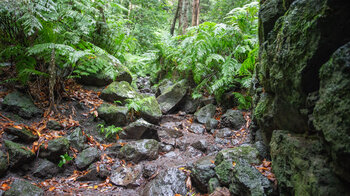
point(224, 172)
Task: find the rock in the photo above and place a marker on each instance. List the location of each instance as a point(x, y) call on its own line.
point(112, 114)
point(135, 130)
point(205, 113)
point(169, 100)
point(149, 170)
point(211, 124)
point(191, 105)
point(200, 145)
point(20, 104)
point(262, 149)
point(166, 148)
point(55, 148)
point(197, 128)
point(224, 133)
point(123, 74)
point(21, 135)
point(18, 154)
point(127, 176)
point(164, 85)
point(213, 184)
point(221, 191)
point(247, 180)
point(233, 119)
point(192, 152)
point(300, 164)
point(94, 175)
point(77, 139)
point(45, 169)
point(202, 172)
point(146, 149)
point(168, 136)
point(54, 125)
point(100, 78)
point(86, 157)
point(207, 100)
point(150, 110)
point(23, 188)
point(168, 182)
point(118, 91)
point(332, 112)
point(246, 152)
point(3, 163)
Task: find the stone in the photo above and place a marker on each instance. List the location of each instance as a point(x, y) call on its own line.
point(233, 119)
point(300, 164)
point(221, 191)
point(123, 74)
point(146, 149)
point(112, 114)
point(18, 154)
point(166, 147)
point(150, 110)
point(45, 169)
point(86, 157)
point(192, 152)
point(3, 163)
point(168, 182)
point(213, 184)
point(211, 124)
point(197, 128)
point(224, 133)
point(205, 113)
point(201, 145)
point(202, 172)
point(23, 188)
point(101, 78)
point(163, 85)
point(118, 91)
point(170, 99)
point(127, 176)
point(21, 135)
point(20, 104)
point(246, 152)
point(54, 125)
point(169, 136)
point(191, 105)
point(136, 129)
point(331, 113)
point(55, 148)
point(77, 140)
point(149, 170)
point(94, 175)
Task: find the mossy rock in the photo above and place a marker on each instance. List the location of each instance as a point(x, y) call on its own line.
point(3, 163)
point(20, 104)
point(112, 114)
point(23, 188)
point(170, 99)
point(18, 154)
point(118, 91)
point(55, 148)
point(146, 149)
point(150, 109)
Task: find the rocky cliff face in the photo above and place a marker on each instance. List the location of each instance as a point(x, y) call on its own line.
point(302, 102)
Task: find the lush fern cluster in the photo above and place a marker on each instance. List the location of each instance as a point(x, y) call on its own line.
point(218, 57)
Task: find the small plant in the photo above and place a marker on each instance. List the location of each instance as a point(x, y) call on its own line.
point(244, 102)
point(110, 130)
point(118, 102)
point(64, 159)
point(135, 105)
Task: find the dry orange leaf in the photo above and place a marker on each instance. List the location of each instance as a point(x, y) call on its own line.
point(212, 161)
point(96, 186)
point(52, 188)
point(17, 127)
point(5, 187)
point(177, 195)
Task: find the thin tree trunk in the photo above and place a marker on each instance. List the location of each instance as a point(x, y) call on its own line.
point(185, 16)
point(180, 15)
point(198, 11)
point(52, 79)
point(172, 29)
point(195, 13)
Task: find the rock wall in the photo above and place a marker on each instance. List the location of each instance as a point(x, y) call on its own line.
point(302, 101)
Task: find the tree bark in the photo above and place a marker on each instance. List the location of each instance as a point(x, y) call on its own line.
point(52, 79)
point(172, 29)
point(180, 16)
point(195, 13)
point(185, 16)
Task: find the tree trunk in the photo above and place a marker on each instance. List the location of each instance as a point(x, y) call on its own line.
point(172, 29)
point(195, 13)
point(180, 15)
point(185, 18)
point(52, 79)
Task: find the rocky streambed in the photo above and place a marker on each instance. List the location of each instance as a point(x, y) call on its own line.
point(173, 145)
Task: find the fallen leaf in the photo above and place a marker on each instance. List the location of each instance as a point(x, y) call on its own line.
point(52, 188)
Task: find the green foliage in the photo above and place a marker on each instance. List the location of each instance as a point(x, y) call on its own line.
point(244, 102)
point(109, 131)
point(64, 159)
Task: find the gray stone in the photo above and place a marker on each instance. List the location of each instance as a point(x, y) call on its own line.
point(201, 145)
point(86, 157)
point(21, 135)
point(168, 182)
point(3, 163)
point(123, 74)
point(45, 169)
point(146, 149)
point(23, 188)
point(205, 113)
point(150, 109)
point(191, 105)
point(164, 85)
point(202, 172)
point(221, 191)
point(197, 128)
point(55, 148)
point(94, 175)
point(224, 133)
point(211, 124)
point(246, 152)
point(135, 129)
point(127, 176)
point(77, 139)
point(118, 91)
point(112, 114)
point(100, 78)
point(54, 125)
point(169, 100)
point(233, 119)
point(18, 154)
point(20, 104)
point(149, 170)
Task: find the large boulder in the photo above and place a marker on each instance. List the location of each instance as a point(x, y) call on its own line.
point(118, 91)
point(163, 86)
point(86, 157)
point(45, 169)
point(20, 135)
point(146, 149)
point(100, 78)
point(20, 104)
point(233, 119)
point(136, 129)
point(203, 171)
point(23, 188)
point(123, 74)
point(332, 113)
point(112, 114)
point(150, 110)
point(18, 154)
point(55, 148)
point(3, 163)
point(171, 97)
point(171, 181)
point(205, 113)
